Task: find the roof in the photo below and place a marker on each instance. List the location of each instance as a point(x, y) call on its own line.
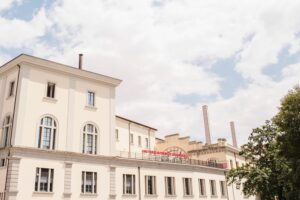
point(54, 66)
point(129, 120)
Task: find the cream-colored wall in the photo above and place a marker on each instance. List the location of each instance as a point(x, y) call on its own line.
point(122, 145)
point(68, 108)
point(7, 103)
point(27, 170)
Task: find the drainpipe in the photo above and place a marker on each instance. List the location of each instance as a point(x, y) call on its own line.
point(11, 131)
point(129, 142)
point(149, 139)
point(227, 194)
point(139, 181)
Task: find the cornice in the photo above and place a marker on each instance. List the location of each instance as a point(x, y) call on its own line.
point(73, 157)
point(58, 67)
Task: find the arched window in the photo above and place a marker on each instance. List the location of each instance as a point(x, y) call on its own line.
point(5, 140)
point(47, 133)
point(89, 141)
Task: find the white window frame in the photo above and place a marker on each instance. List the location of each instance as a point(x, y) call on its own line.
point(2, 162)
point(117, 134)
point(91, 102)
point(213, 188)
point(131, 139)
point(6, 131)
point(173, 187)
point(52, 87)
point(187, 187)
point(140, 141)
point(202, 187)
point(53, 132)
point(151, 179)
point(11, 89)
point(38, 180)
point(86, 134)
point(223, 189)
point(147, 143)
point(93, 183)
point(131, 185)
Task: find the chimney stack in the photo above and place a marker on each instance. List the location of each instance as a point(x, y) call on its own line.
point(233, 135)
point(80, 61)
point(206, 124)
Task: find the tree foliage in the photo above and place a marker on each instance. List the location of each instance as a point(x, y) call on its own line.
point(265, 172)
point(273, 155)
point(288, 122)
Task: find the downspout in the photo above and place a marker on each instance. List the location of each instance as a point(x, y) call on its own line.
point(139, 181)
point(129, 142)
point(11, 130)
point(227, 194)
point(149, 145)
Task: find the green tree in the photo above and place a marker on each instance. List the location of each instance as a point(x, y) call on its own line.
point(288, 122)
point(265, 173)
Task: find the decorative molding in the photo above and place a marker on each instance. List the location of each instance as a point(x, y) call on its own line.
point(107, 160)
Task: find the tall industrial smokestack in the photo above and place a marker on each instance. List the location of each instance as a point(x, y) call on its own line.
point(206, 124)
point(233, 135)
point(80, 61)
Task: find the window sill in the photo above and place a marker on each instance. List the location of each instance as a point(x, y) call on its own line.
point(188, 196)
point(50, 100)
point(43, 193)
point(202, 196)
point(224, 197)
point(170, 196)
point(129, 195)
point(214, 196)
point(91, 108)
point(89, 194)
point(151, 196)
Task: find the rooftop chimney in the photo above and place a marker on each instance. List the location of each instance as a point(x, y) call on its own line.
point(80, 61)
point(232, 128)
point(206, 124)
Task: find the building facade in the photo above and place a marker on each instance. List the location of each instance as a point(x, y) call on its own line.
point(61, 139)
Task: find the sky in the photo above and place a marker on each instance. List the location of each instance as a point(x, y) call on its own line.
point(174, 56)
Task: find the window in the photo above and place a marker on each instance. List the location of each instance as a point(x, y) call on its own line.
point(213, 191)
point(11, 89)
point(140, 140)
point(128, 184)
point(223, 188)
point(91, 98)
point(231, 164)
point(150, 185)
point(131, 138)
point(89, 182)
point(187, 187)
point(237, 164)
point(89, 139)
point(51, 90)
point(2, 162)
point(202, 190)
point(5, 140)
point(147, 143)
point(117, 134)
point(47, 133)
point(170, 186)
point(44, 180)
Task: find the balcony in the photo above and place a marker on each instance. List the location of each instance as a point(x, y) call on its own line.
point(185, 160)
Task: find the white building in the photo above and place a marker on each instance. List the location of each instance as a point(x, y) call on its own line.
point(61, 139)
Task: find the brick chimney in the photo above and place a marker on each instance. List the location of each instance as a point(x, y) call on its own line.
point(206, 124)
point(233, 135)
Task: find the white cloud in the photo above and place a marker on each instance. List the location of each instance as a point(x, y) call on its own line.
point(17, 33)
point(164, 49)
point(7, 4)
